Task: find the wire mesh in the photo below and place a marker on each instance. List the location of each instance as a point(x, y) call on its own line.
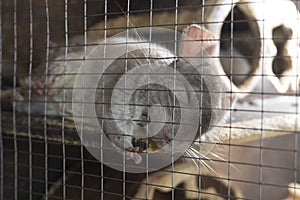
point(206, 90)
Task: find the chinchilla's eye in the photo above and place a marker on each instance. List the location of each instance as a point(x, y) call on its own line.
point(144, 119)
point(144, 114)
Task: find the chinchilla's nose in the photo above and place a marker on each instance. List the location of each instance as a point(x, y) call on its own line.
point(139, 132)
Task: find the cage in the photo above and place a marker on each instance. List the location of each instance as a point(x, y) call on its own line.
point(130, 99)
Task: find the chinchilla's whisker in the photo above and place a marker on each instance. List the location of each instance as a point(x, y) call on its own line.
point(130, 22)
point(209, 169)
point(192, 155)
point(146, 55)
point(217, 156)
point(137, 34)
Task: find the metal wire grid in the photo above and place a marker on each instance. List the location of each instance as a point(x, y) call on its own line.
point(1, 140)
point(83, 162)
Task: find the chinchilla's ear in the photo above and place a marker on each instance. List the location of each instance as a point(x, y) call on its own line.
point(195, 39)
